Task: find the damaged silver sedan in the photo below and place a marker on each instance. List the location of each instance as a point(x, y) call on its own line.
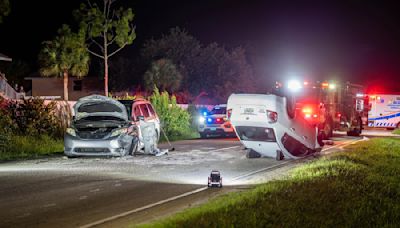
point(100, 127)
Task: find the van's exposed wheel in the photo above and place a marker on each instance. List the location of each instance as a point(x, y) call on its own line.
point(279, 155)
point(252, 154)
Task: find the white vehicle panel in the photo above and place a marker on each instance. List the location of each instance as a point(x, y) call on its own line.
point(251, 110)
point(385, 111)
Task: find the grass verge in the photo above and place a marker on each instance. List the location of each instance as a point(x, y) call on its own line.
point(397, 132)
point(356, 188)
point(20, 147)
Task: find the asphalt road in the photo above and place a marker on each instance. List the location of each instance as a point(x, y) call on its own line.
point(60, 192)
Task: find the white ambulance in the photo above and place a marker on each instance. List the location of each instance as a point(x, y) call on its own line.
point(265, 128)
point(384, 111)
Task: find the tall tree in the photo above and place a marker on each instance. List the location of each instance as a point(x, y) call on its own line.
point(164, 75)
point(66, 54)
point(5, 9)
point(108, 30)
point(211, 69)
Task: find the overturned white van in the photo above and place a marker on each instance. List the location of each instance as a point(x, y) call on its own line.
point(265, 128)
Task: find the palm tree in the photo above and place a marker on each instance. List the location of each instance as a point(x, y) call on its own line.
point(66, 54)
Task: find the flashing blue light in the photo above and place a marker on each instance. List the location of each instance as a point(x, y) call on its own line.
point(205, 113)
point(209, 120)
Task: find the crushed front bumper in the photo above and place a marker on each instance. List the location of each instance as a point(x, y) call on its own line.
point(115, 146)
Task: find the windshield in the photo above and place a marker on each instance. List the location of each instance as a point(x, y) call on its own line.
point(256, 134)
point(216, 111)
point(99, 107)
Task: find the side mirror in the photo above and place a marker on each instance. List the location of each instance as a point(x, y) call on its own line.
point(140, 118)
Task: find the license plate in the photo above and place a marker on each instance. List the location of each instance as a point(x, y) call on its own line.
point(213, 128)
point(248, 110)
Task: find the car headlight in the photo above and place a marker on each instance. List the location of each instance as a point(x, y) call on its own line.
point(71, 131)
point(202, 119)
point(119, 131)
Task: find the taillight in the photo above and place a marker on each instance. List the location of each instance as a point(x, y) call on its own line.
point(315, 115)
point(229, 113)
point(272, 116)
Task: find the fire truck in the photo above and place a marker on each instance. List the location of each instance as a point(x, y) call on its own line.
point(328, 105)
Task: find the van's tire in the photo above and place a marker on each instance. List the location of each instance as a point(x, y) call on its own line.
point(252, 154)
point(291, 106)
point(279, 155)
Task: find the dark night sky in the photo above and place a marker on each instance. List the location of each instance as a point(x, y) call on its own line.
point(347, 40)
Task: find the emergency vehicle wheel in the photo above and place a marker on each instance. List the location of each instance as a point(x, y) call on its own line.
point(203, 135)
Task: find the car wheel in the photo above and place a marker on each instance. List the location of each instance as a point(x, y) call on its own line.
point(252, 154)
point(279, 155)
point(203, 135)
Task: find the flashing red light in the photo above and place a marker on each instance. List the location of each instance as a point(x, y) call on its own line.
point(315, 115)
point(305, 83)
point(218, 120)
point(325, 85)
point(339, 115)
point(307, 115)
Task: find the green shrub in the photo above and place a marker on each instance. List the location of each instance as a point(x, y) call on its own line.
point(33, 117)
point(397, 132)
point(174, 120)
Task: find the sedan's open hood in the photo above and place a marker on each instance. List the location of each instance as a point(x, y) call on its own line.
point(98, 105)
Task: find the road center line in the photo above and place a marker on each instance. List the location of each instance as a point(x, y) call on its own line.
point(143, 208)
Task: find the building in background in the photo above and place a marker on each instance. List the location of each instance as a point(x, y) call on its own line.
point(52, 88)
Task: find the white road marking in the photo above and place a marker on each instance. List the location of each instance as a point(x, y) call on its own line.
point(342, 145)
point(50, 205)
point(117, 185)
point(143, 208)
point(24, 215)
point(226, 148)
point(261, 170)
point(95, 190)
point(82, 197)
